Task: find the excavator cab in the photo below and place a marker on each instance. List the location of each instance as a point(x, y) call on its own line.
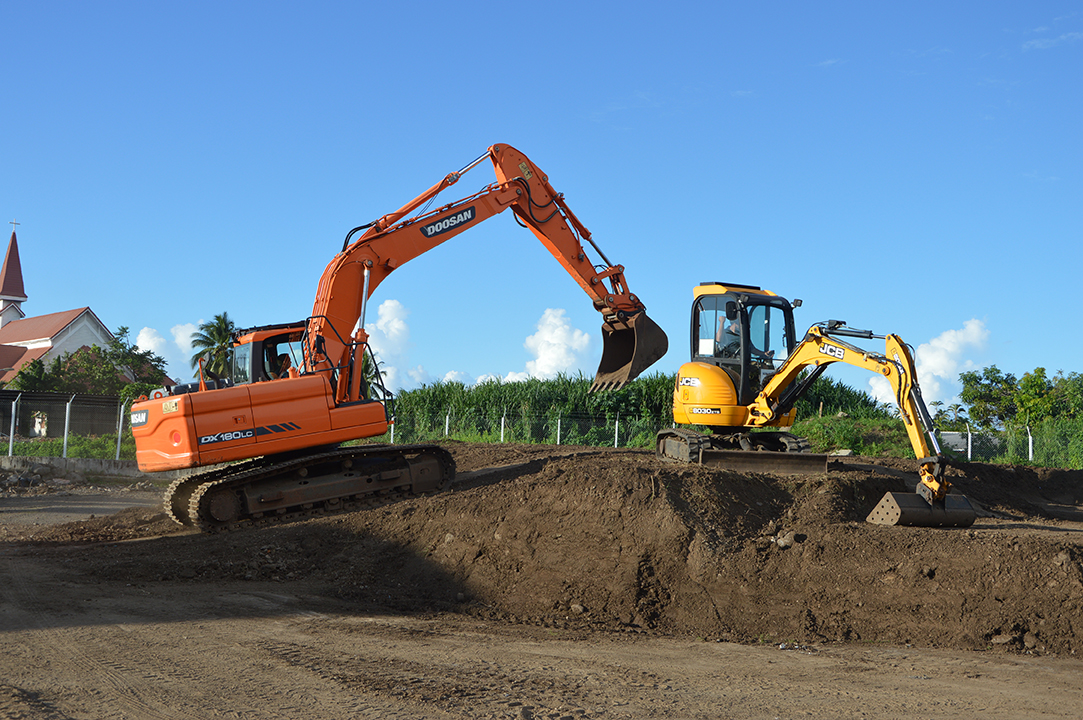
point(743, 331)
point(257, 352)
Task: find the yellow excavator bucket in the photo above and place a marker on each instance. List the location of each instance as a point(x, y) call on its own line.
point(629, 347)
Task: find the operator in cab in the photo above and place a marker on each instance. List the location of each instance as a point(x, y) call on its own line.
point(284, 367)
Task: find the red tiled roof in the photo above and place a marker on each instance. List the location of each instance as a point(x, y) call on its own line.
point(14, 357)
point(11, 276)
point(40, 327)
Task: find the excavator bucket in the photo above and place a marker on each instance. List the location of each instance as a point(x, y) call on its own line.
point(628, 348)
point(900, 508)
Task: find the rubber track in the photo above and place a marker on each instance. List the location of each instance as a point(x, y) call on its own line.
point(698, 441)
point(197, 486)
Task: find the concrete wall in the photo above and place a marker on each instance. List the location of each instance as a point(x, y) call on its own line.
point(108, 468)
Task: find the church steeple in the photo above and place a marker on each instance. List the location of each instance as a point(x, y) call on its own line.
point(12, 295)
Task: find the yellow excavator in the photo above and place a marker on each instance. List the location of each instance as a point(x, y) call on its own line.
point(746, 373)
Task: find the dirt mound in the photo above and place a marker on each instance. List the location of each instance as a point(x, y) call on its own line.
point(582, 537)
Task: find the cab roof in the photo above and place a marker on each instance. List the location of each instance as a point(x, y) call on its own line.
point(718, 288)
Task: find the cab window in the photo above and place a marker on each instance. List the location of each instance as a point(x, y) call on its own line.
point(716, 336)
point(241, 365)
point(280, 354)
point(767, 333)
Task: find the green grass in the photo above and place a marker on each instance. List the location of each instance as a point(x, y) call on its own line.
point(101, 447)
point(874, 437)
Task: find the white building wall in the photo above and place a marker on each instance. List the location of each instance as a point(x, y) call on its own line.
point(83, 331)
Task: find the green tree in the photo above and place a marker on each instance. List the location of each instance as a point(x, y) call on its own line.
point(1035, 398)
point(120, 368)
point(35, 376)
point(144, 370)
point(214, 339)
point(989, 396)
point(1069, 392)
point(940, 416)
point(958, 413)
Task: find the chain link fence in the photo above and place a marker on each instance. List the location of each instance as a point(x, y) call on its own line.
point(1051, 444)
point(505, 426)
point(41, 424)
point(45, 424)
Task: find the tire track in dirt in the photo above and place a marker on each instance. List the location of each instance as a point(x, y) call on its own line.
point(69, 652)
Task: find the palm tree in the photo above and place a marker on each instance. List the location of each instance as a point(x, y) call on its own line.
point(939, 416)
point(213, 339)
point(956, 410)
point(370, 369)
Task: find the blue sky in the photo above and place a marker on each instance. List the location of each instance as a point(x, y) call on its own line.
point(912, 169)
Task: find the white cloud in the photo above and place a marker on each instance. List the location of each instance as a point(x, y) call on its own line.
point(389, 338)
point(418, 375)
point(390, 335)
point(150, 339)
point(1046, 43)
point(182, 336)
point(556, 346)
point(458, 376)
point(939, 363)
point(177, 354)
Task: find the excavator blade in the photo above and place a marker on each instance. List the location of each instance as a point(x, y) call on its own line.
point(910, 509)
point(628, 348)
point(781, 463)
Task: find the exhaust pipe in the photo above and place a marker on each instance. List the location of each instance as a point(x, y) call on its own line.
point(629, 347)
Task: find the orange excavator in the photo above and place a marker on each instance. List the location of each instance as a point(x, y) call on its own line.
point(295, 391)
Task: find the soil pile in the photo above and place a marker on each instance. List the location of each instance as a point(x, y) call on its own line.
point(609, 539)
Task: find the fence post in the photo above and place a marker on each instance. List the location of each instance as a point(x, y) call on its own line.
point(120, 426)
point(969, 443)
point(558, 429)
point(502, 417)
point(392, 429)
point(11, 437)
point(447, 421)
point(67, 423)
point(616, 430)
point(1030, 445)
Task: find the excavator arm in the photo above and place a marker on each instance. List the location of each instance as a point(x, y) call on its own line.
point(823, 346)
point(631, 340)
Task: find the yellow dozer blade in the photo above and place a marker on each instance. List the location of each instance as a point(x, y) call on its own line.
point(901, 508)
point(629, 347)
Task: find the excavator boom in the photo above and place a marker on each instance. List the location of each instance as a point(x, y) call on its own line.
point(632, 342)
point(930, 504)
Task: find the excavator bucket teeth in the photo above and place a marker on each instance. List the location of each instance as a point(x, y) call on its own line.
point(628, 348)
point(910, 509)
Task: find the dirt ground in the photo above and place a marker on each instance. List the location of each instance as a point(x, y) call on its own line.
point(558, 582)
